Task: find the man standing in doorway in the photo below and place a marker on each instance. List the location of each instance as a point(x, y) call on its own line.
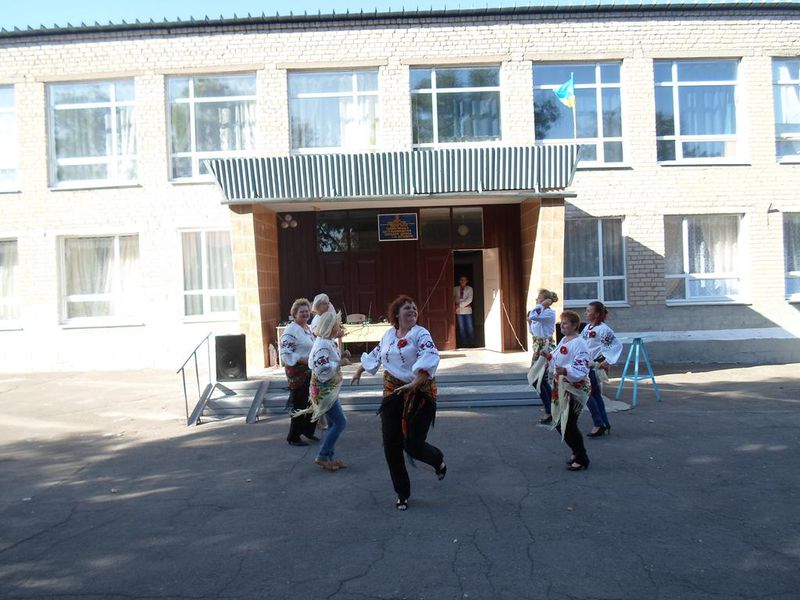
point(462, 296)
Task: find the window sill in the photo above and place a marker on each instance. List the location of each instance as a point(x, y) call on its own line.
point(704, 163)
point(221, 318)
point(604, 167)
point(10, 326)
point(100, 323)
point(789, 160)
point(99, 186)
point(11, 191)
point(606, 304)
point(710, 302)
point(193, 181)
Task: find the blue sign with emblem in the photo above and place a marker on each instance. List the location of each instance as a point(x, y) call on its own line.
point(397, 227)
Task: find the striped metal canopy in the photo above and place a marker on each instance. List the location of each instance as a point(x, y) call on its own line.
point(482, 170)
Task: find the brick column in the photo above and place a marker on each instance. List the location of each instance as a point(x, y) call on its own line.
point(542, 232)
point(254, 234)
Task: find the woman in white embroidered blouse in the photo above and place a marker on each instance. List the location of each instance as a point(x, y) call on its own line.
point(296, 343)
point(410, 359)
point(542, 325)
point(319, 306)
point(569, 363)
point(604, 350)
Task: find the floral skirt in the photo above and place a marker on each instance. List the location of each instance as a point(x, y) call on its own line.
point(426, 393)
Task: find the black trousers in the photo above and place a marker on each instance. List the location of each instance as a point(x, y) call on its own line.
point(302, 425)
point(573, 437)
point(394, 444)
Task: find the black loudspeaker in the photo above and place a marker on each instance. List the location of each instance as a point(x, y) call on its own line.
point(231, 358)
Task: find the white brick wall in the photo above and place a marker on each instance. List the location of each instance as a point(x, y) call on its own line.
point(157, 209)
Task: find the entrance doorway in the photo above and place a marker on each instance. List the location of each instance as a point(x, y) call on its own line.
point(482, 269)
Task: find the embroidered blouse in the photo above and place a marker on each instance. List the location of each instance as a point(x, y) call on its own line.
point(601, 341)
point(316, 317)
point(543, 323)
point(324, 359)
point(574, 357)
point(404, 357)
point(296, 343)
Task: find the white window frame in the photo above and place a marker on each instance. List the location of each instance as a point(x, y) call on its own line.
point(686, 276)
point(13, 185)
point(206, 292)
point(785, 137)
point(601, 278)
point(791, 274)
point(13, 300)
point(193, 101)
point(678, 138)
point(433, 91)
point(114, 296)
point(599, 87)
point(354, 95)
point(111, 159)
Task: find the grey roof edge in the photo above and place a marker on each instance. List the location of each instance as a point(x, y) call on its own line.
point(569, 6)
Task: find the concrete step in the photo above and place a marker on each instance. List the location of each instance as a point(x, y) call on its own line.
point(455, 391)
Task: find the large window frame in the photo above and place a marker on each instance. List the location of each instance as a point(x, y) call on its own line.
point(192, 101)
point(786, 87)
point(120, 158)
point(732, 144)
point(123, 296)
point(9, 152)
point(208, 294)
point(602, 277)
point(349, 125)
point(434, 91)
point(691, 277)
point(9, 268)
point(604, 79)
point(791, 251)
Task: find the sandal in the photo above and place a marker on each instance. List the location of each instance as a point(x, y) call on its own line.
point(339, 463)
point(328, 465)
point(441, 471)
point(576, 466)
point(402, 504)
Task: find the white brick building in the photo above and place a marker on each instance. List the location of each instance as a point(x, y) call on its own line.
point(688, 117)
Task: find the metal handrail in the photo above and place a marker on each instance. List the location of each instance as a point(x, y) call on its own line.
point(182, 370)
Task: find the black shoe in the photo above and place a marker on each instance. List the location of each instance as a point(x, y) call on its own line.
point(578, 466)
point(402, 504)
point(546, 420)
point(601, 431)
point(297, 443)
point(441, 471)
point(312, 437)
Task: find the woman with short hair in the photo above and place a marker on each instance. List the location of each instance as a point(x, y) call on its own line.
point(569, 364)
point(296, 343)
point(604, 351)
point(410, 359)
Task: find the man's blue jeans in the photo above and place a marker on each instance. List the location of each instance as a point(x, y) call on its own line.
point(466, 330)
point(336, 425)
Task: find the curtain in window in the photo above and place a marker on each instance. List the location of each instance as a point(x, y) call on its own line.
point(787, 109)
point(88, 264)
point(707, 110)
point(791, 241)
point(220, 260)
point(713, 244)
point(580, 248)
point(126, 142)
point(8, 266)
point(225, 126)
point(129, 283)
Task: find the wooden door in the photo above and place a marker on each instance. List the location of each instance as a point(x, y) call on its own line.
point(492, 301)
point(435, 303)
point(334, 279)
point(365, 284)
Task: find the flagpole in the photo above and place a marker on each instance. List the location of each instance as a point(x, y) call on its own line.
point(574, 108)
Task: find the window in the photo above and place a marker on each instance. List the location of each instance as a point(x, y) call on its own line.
point(209, 117)
point(459, 227)
point(594, 261)
point(786, 77)
point(702, 257)
point(598, 109)
point(695, 110)
point(8, 133)
point(208, 283)
point(92, 132)
point(340, 231)
point(791, 249)
point(455, 105)
point(9, 307)
point(336, 109)
point(99, 277)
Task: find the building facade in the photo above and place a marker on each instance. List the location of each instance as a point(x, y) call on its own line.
point(120, 249)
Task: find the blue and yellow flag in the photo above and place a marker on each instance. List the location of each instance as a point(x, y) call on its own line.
point(566, 93)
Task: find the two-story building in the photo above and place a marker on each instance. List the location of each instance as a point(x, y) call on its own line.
point(162, 180)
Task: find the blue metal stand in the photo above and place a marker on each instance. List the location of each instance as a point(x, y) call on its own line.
point(637, 347)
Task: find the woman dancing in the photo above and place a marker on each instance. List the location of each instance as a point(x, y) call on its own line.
point(542, 325)
point(410, 359)
point(604, 350)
